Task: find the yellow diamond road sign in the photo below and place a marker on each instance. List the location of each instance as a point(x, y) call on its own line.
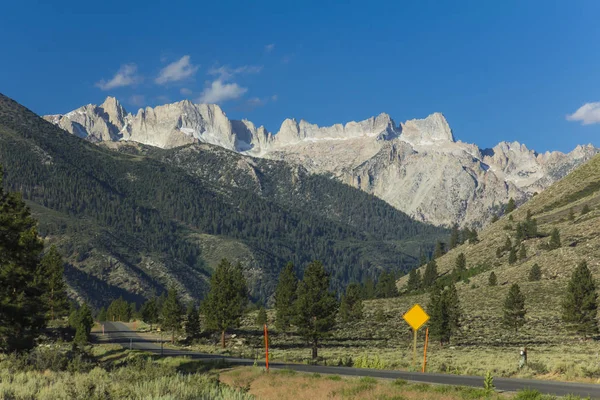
point(416, 317)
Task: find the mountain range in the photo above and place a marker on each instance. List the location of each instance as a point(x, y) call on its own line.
point(417, 166)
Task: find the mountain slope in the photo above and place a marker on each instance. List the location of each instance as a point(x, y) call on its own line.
point(580, 239)
point(140, 218)
point(417, 167)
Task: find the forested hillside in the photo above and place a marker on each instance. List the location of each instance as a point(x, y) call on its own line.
point(130, 222)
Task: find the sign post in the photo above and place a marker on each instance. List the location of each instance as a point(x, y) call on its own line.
point(415, 317)
point(425, 349)
point(266, 348)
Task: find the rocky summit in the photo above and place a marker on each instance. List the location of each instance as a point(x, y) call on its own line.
point(416, 166)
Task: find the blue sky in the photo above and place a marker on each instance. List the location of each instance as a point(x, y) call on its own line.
point(498, 70)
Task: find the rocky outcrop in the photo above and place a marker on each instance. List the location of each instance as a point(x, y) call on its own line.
point(417, 166)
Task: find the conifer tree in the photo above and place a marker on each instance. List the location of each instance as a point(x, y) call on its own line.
point(414, 280)
point(512, 256)
point(422, 260)
point(368, 290)
point(386, 286)
point(101, 314)
point(535, 273)
point(227, 298)
point(439, 250)
point(172, 313)
point(149, 312)
point(473, 237)
point(507, 244)
point(492, 280)
point(494, 218)
point(460, 266)
point(454, 236)
point(554, 239)
point(351, 306)
point(192, 322)
point(453, 308)
point(316, 306)
point(571, 214)
point(285, 296)
point(445, 313)
point(261, 318)
point(55, 295)
point(514, 308)
point(510, 206)
point(580, 304)
point(430, 274)
point(522, 252)
point(585, 209)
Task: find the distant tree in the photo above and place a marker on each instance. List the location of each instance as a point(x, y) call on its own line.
point(585, 209)
point(507, 244)
point(83, 323)
point(171, 315)
point(227, 298)
point(510, 206)
point(192, 322)
point(422, 260)
point(445, 313)
point(261, 318)
point(473, 237)
point(571, 214)
point(512, 256)
point(386, 286)
point(119, 310)
point(535, 273)
point(439, 249)
point(492, 280)
point(414, 280)
point(554, 239)
point(316, 306)
point(494, 218)
point(430, 275)
point(55, 295)
point(285, 296)
point(522, 252)
point(351, 306)
point(133, 314)
point(514, 308)
point(149, 312)
point(101, 315)
point(454, 312)
point(580, 304)
point(368, 289)
point(460, 266)
point(519, 233)
point(454, 236)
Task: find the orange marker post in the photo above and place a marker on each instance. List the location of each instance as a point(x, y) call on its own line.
point(267, 347)
point(425, 349)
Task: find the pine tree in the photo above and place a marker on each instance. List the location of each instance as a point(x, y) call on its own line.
point(422, 260)
point(512, 256)
point(580, 304)
point(101, 315)
point(514, 308)
point(454, 236)
point(438, 317)
point(454, 312)
point(554, 239)
point(351, 306)
point(192, 322)
point(473, 237)
point(386, 286)
point(571, 214)
point(261, 318)
point(507, 244)
point(585, 209)
point(535, 273)
point(439, 250)
point(414, 280)
point(85, 319)
point(430, 274)
point(227, 298)
point(22, 309)
point(368, 289)
point(171, 315)
point(510, 206)
point(460, 266)
point(285, 295)
point(55, 295)
point(149, 312)
point(316, 306)
point(522, 252)
point(492, 280)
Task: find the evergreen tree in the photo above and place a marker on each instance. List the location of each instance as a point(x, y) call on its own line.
point(414, 280)
point(101, 315)
point(227, 298)
point(452, 304)
point(439, 250)
point(316, 306)
point(261, 318)
point(368, 290)
point(149, 312)
point(507, 244)
point(580, 304)
point(171, 315)
point(522, 252)
point(192, 322)
point(494, 218)
point(510, 206)
point(22, 309)
point(445, 313)
point(55, 295)
point(520, 233)
point(535, 273)
point(460, 266)
point(85, 319)
point(571, 214)
point(430, 274)
point(473, 237)
point(285, 296)
point(554, 239)
point(454, 236)
point(514, 308)
point(585, 209)
point(422, 260)
point(351, 307)
point(492, 280)
point(512, 256)
point(386, 286)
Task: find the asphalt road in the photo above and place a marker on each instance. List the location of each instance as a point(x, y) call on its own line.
point(117, 332)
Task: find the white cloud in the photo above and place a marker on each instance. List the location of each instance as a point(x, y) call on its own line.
point(274, 97)
point(185, 91)
point(126, 76)
point(137, 100)
point(588, 114)
point(177, 71)
point(219, 92)
point(269, 48)
point(226, 73)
